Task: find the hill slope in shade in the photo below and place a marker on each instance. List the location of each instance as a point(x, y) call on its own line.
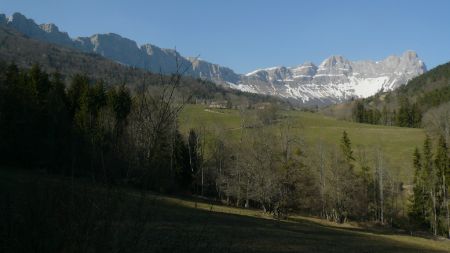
point(184, 225)
point(24, 52)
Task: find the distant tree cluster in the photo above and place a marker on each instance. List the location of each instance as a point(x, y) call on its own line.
point(363, 115)
point(429, 203)
point(407, 114)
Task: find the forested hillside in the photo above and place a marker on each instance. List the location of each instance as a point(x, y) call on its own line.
point(412, 105)
point(24, 52)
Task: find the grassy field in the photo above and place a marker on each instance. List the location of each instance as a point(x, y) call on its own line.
point(175, 224)
point(397, 143)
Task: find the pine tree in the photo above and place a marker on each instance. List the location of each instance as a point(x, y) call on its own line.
point(120, 102)
point(442, 168)
point(403, 115)
point(195, 159)
point(77, 89)
point(58, 125)
point(416, 115)
point(385, 116)
point(431, 179)
point(41, 82)
point(347, 182)
point(358, 112)
point(183, 172)
point(346, 147)
point(418, 208)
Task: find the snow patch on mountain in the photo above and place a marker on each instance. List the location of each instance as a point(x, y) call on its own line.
point(336, 79)
point(365, 87)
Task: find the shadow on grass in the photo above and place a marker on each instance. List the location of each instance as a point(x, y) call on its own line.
point(263, 235)
point(44, 214)
point(372, 230)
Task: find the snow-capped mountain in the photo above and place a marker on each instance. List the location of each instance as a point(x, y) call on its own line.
point(334, 80)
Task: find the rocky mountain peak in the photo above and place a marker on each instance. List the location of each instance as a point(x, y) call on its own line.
point(334, 60)
point(46, 32)
point(148, 48)
point(23, 24)
point(19, 18)
point(308, 64)
point(113, 40)
point(336, 79)
point(307, 69)
point(49, 28)
point(410, 55)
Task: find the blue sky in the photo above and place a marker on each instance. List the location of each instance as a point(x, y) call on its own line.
point(246, 35)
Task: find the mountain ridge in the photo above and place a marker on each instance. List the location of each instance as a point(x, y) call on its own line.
point(336, 79)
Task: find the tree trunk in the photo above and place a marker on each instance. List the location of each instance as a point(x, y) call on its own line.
point(246, 193)
point(381, 186)
point(434, 225)
point(444, 185)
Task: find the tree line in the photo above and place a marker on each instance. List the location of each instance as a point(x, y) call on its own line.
point(89, 129)
point(281, 175)
point(406, 115)
point(429, 203)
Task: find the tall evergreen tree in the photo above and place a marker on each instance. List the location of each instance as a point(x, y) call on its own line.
point(346, 147)
point(431, 179)
point(442, 163)
point(183, 172)
point(416, 116)
point(418, 208)
point(358, 112)
point(195, 156)
point(58, 125)
point(120, 101)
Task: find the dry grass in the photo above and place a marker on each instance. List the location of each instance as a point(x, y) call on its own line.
point(175, 224)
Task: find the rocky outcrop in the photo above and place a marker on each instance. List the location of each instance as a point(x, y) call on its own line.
point(336, 79)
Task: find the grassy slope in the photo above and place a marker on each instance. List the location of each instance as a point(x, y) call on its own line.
point(250, 230)
point(185, 225)
point(397, 143)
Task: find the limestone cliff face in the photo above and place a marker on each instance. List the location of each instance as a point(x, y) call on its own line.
point(336, 79)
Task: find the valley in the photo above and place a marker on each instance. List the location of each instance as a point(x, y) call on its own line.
point(111, 141)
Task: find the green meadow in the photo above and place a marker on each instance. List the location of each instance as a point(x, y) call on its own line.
point(397, 143)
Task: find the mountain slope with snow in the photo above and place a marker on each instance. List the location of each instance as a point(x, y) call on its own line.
point(335, 80)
